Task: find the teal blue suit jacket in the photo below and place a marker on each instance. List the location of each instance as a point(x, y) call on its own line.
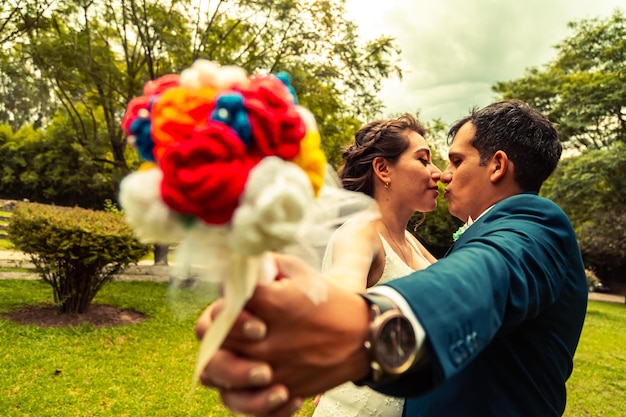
point(503, 313)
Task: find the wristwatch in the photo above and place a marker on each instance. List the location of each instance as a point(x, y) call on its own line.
point(391, 342)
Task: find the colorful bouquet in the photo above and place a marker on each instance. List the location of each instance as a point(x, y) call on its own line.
point(231, 167)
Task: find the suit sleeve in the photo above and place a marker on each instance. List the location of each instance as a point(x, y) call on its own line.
point(504, 270)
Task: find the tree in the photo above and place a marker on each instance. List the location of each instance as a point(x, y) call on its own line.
point(10, 161)
point(594, 182)
point(24, 98)
point(93, 57)
point(603, 244)
point(591, 189)
point(52, 167)
point(583, 90)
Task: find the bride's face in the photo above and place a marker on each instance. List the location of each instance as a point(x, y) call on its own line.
point(414, 176)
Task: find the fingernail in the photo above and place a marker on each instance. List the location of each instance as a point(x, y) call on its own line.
point(254, 329)
point(277, 398)
point(296, 405)
point(220, 384)
point(260, 375)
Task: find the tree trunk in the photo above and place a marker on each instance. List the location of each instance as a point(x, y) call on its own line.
point(160, 254)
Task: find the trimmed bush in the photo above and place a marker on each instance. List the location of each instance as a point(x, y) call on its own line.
point(74, 250)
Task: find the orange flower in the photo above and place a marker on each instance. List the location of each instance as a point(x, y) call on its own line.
point(177, 113)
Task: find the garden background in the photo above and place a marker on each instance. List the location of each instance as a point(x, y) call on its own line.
point(67, 70)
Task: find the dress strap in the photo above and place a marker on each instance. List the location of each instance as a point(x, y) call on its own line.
point(414, 246)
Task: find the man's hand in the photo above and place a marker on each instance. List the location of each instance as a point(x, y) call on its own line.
point(237, 379)
point(284, 347)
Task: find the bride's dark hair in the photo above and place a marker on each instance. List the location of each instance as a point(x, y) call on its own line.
point(386, 138)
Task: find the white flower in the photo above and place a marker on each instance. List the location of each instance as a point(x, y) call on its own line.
point(273, 207)
point(152, 221)
point(209, 74)
point(307, 118)
point(456, 235)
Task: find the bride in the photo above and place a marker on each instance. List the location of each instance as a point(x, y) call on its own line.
point(389, 161)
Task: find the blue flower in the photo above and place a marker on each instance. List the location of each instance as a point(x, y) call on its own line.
point(230, 109)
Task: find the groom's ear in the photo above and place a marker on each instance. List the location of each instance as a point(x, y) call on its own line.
point(500, 165)
point(381, 168)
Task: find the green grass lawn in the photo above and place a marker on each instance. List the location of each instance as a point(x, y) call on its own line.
point(145, 369)
point(598, 383)
point(139, 370)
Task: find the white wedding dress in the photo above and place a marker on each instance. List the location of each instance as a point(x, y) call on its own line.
point(349, 400)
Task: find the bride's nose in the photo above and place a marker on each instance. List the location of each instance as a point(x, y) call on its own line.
point(435, 172)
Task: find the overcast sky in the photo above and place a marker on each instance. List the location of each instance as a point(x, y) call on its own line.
point(453, 51)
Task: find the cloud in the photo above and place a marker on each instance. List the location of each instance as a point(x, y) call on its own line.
point(454, 51)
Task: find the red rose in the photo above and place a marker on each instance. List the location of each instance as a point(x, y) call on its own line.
point(132, 112)
point(158, 86)
point(205, 175)
point(277, 128)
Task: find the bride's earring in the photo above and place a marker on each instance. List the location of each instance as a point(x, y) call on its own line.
point(387, 185)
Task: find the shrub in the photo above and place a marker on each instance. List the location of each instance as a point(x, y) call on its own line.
point(603, 244)
point(74, 250)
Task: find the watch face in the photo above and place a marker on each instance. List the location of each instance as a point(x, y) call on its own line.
point(396, 345)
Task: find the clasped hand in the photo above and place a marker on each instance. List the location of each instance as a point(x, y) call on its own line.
point(284, 347)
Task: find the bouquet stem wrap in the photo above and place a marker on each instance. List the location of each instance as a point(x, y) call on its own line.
point(245, 273)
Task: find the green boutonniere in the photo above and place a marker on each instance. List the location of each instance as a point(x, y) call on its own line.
point(456, 235)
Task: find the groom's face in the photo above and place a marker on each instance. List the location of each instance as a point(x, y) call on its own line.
point(467, 182)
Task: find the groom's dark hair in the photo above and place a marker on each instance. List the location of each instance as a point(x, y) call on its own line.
point(526, 136)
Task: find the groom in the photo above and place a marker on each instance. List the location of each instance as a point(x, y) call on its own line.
point(489, 330)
